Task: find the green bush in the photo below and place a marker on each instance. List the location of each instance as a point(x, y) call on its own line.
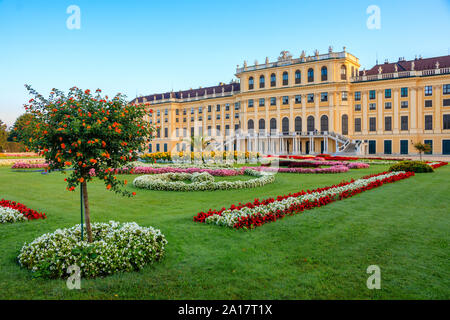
point(411, 166)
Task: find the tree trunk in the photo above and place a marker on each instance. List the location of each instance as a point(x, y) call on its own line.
point(87, 213)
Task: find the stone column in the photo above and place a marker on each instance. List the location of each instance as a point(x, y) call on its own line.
point(413, 110)
point(380, 111)
point(331, 113)
point(396, 112)
point(316, 111)
point(365, 125)
point(437, 109)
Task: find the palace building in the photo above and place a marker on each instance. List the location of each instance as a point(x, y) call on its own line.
point(314, 104)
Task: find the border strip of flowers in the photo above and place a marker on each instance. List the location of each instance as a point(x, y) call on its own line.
point(251, 215)
point(15, 211)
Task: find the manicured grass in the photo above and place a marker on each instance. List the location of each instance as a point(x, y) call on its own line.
point(322, 253)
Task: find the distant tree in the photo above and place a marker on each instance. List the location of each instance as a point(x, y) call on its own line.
point(3, 135)
point(24, 121)
point(91, 134)
point(422, 148)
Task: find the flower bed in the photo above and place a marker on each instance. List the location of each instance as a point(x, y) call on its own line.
point(25, 165)
point(213, 172)
point(116, 247)
point(175, 182)
point(334, 169)
point(255, 214)
point(218, 155)
point(437, 164)
point(11, 162)
point(11, 211)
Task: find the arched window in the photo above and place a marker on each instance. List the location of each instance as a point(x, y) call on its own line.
point(262, 81)
point(298, 124)
point(344, 124)
point(285, 125)
point(250, 125)
point(262, 125)
point(273, 125)
point(273, 80)
point(298, 77)
point(324, 123)
point(310, 123)
point(343, 72)
point(250, 83)
point(285, 78)
point(310, 75)
point(324, 74)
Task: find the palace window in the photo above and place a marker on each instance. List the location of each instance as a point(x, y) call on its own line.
point(227, 116)
point(192, 110)
point(184, 119)
point(166, 120)
point(372, 106)
point(273, 124)
point(262, 125)
point(428, 103)
point(324, 74)
point(236, 115)
point(250, 103)
point(209, 117)
point(177, 112)
point(273, 80)
point(200, 109)
point(428, 90)
point(250, 83)
point(209, 108)
point(262, 81)
point(184, 112)
point(446, 89)
point(428, 122)
point(357, 95)
point(344, 124)
point(324, 123)
point(310, 75)
point(218, 117)
point(218, 108)
point(324, 96)
point(404, 92)
point(344, 95)
point(250, 124)
point(357, 107)
point(388, 123)
point(298, 77)
point(446, 121)
point(227, 107)
point(166, 112)
point(372, 124)
point(343, 72)
point(158, 113)
point(388, 105)
point(166, 132)
point(298, 124)
point(285, 100)
point(310, 123)
point(262, 102)
point(446, 102)
point(310, 97)
point(285, 125)
point(404, 104)
point(273, 101)
point(357, 124)
point(192, 119)
point(404, 123)
point(285, 78)
point(372, 94)
point(387, 93)
point(237, 106)
point(298, 99)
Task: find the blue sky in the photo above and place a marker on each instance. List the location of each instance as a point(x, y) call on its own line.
point(153, 46)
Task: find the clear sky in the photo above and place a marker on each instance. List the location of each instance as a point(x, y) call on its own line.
point(143, 47)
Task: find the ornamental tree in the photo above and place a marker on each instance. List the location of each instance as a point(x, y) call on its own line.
point(89, 133)
point(422, 148)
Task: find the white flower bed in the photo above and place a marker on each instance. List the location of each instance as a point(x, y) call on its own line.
point(175, 181)
point(182, 165)
point(116, 247)
point(230, 217)
point(8, 215)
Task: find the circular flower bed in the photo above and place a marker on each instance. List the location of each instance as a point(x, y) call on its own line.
point(116, 247)
point(200, 181)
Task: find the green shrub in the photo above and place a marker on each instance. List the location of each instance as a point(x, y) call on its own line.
point(411, 166)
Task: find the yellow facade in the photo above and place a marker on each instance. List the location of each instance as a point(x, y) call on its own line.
point(312, 105)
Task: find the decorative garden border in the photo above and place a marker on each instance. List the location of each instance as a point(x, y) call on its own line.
point(255, 214)
point(163, 182)
point(11, 211)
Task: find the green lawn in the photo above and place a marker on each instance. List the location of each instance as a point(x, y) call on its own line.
point(320, 254)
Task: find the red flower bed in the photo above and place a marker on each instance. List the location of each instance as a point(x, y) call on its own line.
point(438, 165)
point(30, 214)
point(257, 220)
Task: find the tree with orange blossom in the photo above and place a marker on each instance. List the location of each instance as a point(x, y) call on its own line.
point(89, 133)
